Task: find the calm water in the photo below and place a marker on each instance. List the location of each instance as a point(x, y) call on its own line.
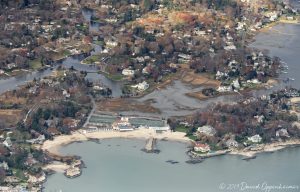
point(118, 165)
point(283, 41)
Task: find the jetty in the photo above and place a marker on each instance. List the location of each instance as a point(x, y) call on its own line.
point(150, 146)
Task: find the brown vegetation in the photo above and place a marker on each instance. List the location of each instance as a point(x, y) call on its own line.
point(117, 105)
point(199, 79)
point(10, 117)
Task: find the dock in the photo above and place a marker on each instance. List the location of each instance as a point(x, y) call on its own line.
point(150, 146)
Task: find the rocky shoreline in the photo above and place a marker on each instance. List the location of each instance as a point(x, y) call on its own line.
point(247, 153)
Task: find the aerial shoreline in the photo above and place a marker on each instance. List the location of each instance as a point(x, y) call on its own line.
point(53, 146)
point(54, 104)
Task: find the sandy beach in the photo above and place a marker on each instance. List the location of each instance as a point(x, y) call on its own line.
point(52, 146)
point(57, 167)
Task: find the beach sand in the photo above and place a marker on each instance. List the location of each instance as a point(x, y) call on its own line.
point(52, 146)
point(57, 167)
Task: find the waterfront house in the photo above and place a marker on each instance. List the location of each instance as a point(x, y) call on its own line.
point(200, 147)
point(71, 123)
point(231, 143)
point(128, 72)
point(122, 125)
point(141, 86)
point(40, 178)
point(255, 139)
point(282, 133)
point(53, 131)
point(207, 130)
point(11, 66)
point(223, 89)
point(90, 129)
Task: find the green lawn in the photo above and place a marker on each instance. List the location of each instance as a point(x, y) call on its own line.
point(181, 128)
point(67, 53)
point(192, 137)
point(115, 77)
point(35, 64)
point(91, 59)
point(100, 43)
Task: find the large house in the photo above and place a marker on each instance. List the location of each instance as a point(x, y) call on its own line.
point(128, 72)
point(141, 86)
point(7, 142)
point(255, 139)
point(200, 147)
point(122, 125)
point(207, 130)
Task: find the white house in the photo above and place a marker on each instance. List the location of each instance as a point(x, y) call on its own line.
point(230, 47)
point(37, 179)
point(164, 128)
point(231, 143)
point(66, 94)
point(223, 89)
point(254, 81)
point(122, 125)
point(7, 142)
point(220, 74)
point(282, 133)
point(4, 165)
point(128, 72)
point(236, 84)
point(207, 130)
point(39, 140)
point(11, 66)
point(141, 86)
point(259, 118)
point(111, 43)
point(200, 147)
point(255, 139)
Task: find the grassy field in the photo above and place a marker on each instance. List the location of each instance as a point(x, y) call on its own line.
point(35, 64)
point(115, 77)
point(181, 128)
point(92, 59)
point(10, 117)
